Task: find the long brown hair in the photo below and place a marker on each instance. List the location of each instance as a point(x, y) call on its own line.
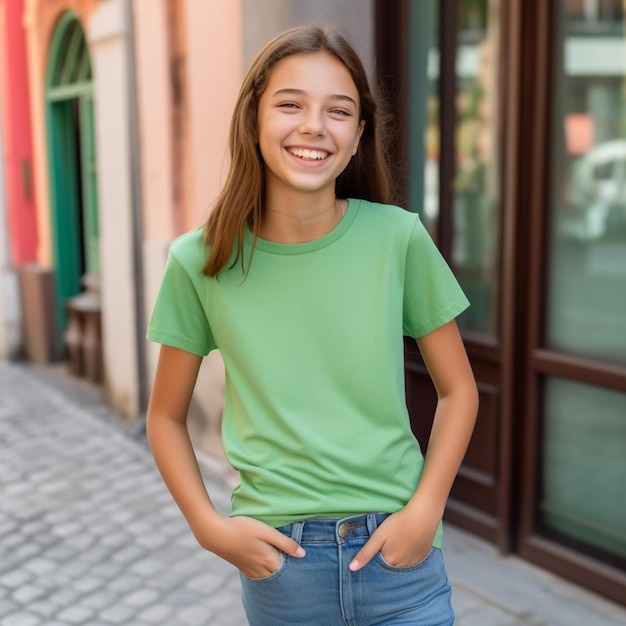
point(240, 202)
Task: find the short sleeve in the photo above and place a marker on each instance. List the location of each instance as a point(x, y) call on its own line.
point(178, 318)
point(432, 295)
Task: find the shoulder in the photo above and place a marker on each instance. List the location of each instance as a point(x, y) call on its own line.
point(190, 249)
point(387, 214)
point(388, 222)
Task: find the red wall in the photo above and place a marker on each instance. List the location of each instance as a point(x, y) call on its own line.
point(19, 172)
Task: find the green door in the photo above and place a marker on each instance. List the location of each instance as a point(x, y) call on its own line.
point(72, 159)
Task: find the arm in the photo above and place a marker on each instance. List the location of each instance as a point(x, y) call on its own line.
point(249, 544)
point(406, 536)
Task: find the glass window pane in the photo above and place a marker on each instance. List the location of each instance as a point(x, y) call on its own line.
point(424, 114)
point(477, 204)
point(584, 466)
point(587, 264)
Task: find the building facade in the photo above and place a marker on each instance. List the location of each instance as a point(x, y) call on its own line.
point(510, 141)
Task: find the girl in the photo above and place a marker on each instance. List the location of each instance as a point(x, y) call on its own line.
point(306, 281)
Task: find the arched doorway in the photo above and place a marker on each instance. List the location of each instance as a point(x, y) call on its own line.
point(72, 163)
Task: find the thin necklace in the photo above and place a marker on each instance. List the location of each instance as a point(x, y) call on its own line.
point(309, 217)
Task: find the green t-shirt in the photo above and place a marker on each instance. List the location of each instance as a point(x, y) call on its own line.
point(315, 418)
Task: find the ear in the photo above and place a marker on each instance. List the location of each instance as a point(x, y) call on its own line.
point(359, 134)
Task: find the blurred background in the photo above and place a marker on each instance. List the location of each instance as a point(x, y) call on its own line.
point(509, 140)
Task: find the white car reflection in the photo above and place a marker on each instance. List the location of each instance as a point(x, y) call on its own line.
point(597, 194)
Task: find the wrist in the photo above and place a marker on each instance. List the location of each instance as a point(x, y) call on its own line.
point(206, 526)
point(423, 507)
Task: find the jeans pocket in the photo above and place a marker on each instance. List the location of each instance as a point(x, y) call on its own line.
point(409, 568)
point(273, 575)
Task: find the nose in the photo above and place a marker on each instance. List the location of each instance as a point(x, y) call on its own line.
point(313, 123)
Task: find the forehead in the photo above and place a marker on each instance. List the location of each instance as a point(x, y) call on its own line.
point(312, 72)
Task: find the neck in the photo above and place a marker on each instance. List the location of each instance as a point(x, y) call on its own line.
point(297, 202)
point(297, 224)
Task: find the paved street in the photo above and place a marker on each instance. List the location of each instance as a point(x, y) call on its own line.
point(89, 535)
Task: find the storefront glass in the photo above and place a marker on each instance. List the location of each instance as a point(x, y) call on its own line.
point(584, 467)
point(477, 203)
point(587, 270)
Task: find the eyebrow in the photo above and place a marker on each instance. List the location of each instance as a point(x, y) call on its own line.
point(301, 92)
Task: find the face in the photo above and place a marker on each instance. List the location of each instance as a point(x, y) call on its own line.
point(308, 124)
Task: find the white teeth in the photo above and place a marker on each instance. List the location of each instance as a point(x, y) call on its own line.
point(304, 153)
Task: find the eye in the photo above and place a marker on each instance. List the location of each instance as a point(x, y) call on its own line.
point(288, 105)
point(341, 112)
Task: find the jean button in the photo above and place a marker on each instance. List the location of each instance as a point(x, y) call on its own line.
point(342, 531)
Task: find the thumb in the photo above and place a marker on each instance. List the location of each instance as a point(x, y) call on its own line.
point(287, 545)
point(365, 554)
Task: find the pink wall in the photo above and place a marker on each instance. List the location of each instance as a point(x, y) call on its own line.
point(20, 184)
point(215, 70)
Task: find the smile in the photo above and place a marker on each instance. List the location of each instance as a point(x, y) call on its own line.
point(305, 153)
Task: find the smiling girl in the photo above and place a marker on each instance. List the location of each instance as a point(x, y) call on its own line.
point(307, 281)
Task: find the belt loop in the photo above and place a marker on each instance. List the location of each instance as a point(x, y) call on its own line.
point(296, 531)
point(371, 523)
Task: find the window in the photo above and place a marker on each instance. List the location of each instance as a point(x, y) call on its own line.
point(584, 467)
point(584, 426)
point(477, 203)
point(587, 258)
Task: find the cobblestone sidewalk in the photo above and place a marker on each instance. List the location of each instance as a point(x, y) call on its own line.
point(88, 533)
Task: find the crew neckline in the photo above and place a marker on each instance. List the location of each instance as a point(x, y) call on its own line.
point(308, 246)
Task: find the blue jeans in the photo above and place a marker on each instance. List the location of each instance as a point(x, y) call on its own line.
point(320, 590)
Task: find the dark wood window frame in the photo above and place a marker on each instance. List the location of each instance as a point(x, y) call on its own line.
point(537, 80)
